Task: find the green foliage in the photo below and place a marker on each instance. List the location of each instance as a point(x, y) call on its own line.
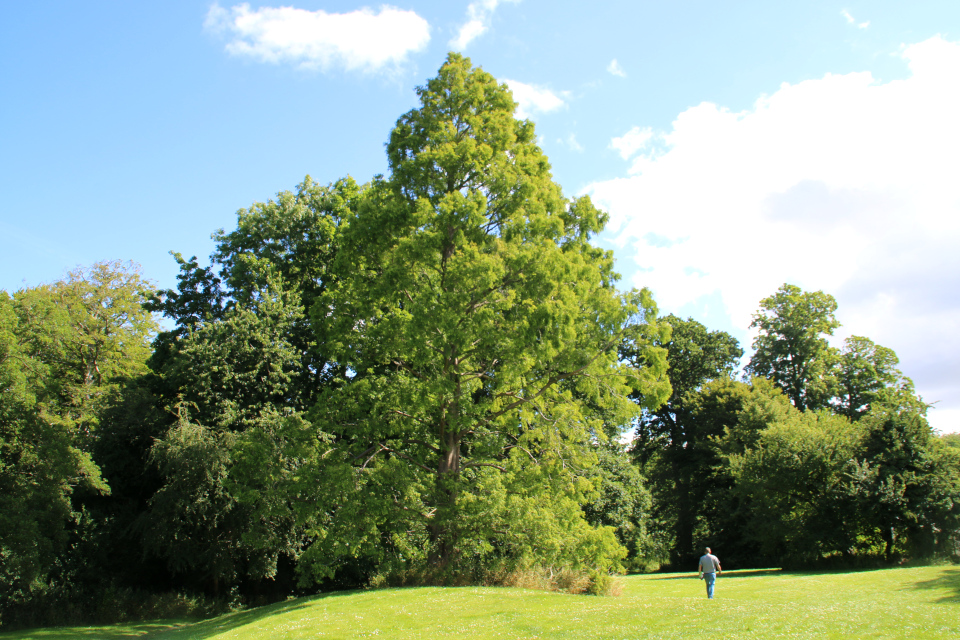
point(695, 357)
point(907, 486)
point(287, 244)
point(951, 440)
point(738, 412)
point(37, 460)
point(66, 349)
point(230, 370)
point(85, 336)
point(803, 487)
point(624, 503)
point(731, 416)
point(670, 443)
point(190, 515)
point(291, 243)
point(462, 355)
point(292, 239)
point(235, 376)
point(864, 371)
point(791, 348)
point(478, 328)
point(243, 363)
point(795, 479)
point(199, 297)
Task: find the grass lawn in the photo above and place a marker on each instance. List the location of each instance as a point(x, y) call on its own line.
point(922, 602)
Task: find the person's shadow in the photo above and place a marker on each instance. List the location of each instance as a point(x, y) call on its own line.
point(742, 573)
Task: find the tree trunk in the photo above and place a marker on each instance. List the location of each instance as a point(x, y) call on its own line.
point(685, 516)
point(684, 544)
point(888, 537)
point(442, 529)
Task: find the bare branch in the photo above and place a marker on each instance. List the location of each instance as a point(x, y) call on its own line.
point(400, 454)
point(486, 464)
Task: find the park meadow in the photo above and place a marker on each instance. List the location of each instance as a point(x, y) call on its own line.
point(915, 602)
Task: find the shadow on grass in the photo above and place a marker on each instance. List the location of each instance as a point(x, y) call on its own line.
point(230, 621)
point(753, 573)
point(742, 573)
point(118, 632)
point(949, 579)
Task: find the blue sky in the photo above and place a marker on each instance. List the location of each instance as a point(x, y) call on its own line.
point(736, 145)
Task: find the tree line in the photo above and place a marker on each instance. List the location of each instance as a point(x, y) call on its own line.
point(427, 378)
point(817, 456)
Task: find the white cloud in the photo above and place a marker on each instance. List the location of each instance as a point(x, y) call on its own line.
point(615, 68)
point(571, 141)
point(471, 30)
point(360, 40)
point(851, 20)
point(533, 99)
point(479, 14)
point(842, 183)
point(632, 141)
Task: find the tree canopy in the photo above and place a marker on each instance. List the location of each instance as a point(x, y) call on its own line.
point(66, 350)
point(673, 445)
point(791, 347)
point(480, 329)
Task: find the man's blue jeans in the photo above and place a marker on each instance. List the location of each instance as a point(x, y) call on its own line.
point(710, 579)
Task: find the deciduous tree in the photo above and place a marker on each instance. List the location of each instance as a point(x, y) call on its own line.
point(791, 347)
point(478, 326)
point(906, 485)
point(794, 479)
point(234, 377)
point(66, 349)
point(673, 446)
point(863, 371)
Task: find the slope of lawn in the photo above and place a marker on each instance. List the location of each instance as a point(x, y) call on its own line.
point(922, 602)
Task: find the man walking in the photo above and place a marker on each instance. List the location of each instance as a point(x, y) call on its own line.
point(709, 569)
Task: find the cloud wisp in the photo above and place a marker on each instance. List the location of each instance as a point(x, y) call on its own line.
point(532, 99)
point(361, 40)
point(615, 69)
point(632, 141)
point(479, 15)
point(571, 142)
point(851, 20)
point(841, 183)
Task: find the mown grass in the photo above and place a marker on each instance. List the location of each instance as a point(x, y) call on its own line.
point(922, 602)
